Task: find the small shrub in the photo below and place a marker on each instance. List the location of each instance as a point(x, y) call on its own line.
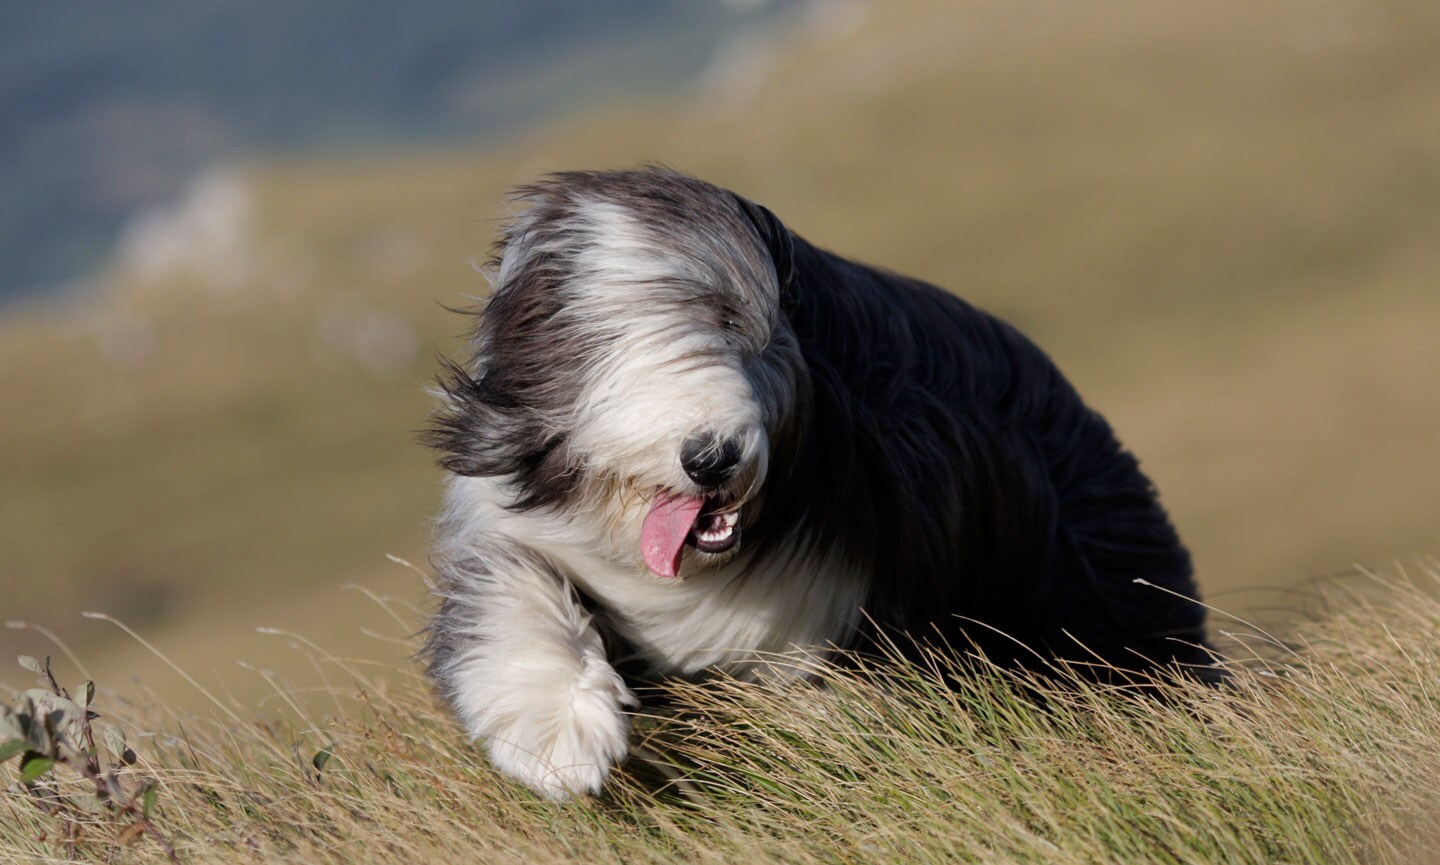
point(51, 732)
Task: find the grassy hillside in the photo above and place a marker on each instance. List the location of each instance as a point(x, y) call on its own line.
point(1319, 754)
point(107, 109)
point(1220, 218)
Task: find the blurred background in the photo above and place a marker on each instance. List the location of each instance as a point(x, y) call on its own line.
point(229, 231)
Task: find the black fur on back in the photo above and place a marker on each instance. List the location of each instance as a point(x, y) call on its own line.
point(993, 500)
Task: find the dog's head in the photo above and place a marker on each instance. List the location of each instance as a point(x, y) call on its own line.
point(634, 373)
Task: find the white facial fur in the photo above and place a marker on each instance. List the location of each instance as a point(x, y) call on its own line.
point(662, 376)
point(659, 343)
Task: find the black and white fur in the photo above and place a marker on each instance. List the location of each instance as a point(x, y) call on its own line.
point(898, 461)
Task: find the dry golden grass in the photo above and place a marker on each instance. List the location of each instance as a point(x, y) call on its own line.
point(1321, 750)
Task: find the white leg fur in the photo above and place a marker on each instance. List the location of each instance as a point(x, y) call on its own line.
point(529, 676)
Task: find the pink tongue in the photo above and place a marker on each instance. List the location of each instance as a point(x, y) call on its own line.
point(662, 537)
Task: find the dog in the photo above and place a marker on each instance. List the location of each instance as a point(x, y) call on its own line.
point(688, 440)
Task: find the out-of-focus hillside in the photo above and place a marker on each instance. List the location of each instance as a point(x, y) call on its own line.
point(106, 108)
point(1220, 218)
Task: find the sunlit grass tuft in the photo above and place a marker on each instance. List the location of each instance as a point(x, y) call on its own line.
point(1322, 749)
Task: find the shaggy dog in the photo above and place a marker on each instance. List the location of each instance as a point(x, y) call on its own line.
point(688, 439)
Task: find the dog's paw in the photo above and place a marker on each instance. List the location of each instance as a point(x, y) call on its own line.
point(564, 744)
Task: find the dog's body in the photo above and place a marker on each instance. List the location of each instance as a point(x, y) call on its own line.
point(686, 429)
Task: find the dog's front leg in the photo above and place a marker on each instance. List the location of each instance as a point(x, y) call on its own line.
point(525, 669)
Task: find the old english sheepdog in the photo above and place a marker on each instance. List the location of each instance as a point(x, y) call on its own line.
point(689, 440)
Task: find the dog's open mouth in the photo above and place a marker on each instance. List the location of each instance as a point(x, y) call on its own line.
point(716, 530)
point(708, 524)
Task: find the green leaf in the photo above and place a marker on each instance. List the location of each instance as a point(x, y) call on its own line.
point(147, 800)
point(33, 766)
point(31, 663)
point(11, 748)
point(44, 699)
point(87, 694)
point(59, 714)
point(321, 758)
point(114, 739)
point(33, 726)
point(13, 725)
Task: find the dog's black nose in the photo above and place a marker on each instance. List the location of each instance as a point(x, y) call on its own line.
point(709, 460)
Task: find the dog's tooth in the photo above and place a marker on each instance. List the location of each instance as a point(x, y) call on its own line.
point(718, 535)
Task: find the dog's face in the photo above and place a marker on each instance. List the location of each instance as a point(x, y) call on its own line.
point(634, 372)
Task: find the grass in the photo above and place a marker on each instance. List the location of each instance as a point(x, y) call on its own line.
point(1321, 750)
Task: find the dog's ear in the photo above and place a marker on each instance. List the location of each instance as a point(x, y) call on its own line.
point(475, 427)
point(483, 430)
point(778, 240)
